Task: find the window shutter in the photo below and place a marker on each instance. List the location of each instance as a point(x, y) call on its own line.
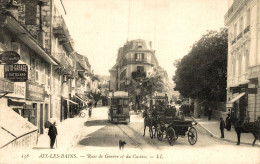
point(142, 55)
point(135, 55)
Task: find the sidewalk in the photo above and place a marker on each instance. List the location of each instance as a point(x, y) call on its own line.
point(68, 131)
point(212, 127)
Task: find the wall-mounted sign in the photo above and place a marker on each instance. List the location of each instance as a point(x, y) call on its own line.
point(16, 72)
point(9, 57)
point(6, 86)
point(34, 91)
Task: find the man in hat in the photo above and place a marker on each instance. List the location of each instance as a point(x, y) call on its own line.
point(222, 126)
point(52, 134)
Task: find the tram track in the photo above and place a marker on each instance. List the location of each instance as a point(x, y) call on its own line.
point(134, 131)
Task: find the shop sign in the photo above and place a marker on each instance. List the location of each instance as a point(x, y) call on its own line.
point(16, 72)
point(6, 86)
point(19, 90)
point(34, 91)
point(9, 57)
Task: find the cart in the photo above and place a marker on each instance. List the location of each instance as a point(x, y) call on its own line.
point(118, 107)
point(178, 128)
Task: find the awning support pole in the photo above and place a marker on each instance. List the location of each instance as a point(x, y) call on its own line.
point(3, 95)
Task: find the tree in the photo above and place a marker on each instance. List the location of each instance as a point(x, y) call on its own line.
point(152, 83)
point(202, 72)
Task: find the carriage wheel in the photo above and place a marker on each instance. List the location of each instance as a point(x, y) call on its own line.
point(159, 135)
point(151, 132)
point(171, 136)
point(82, 114)
point(192, 136)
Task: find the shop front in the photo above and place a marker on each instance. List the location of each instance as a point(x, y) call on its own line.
point(36, 103)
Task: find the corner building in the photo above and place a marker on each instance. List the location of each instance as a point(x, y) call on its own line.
point(243, 70)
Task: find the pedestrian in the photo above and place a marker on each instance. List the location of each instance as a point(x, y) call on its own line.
point(52, 134)
point(209, 113)
point(228, 122)
point(222, 126)
point(95, 104)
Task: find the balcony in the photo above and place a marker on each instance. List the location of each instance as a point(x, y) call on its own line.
point(65, 66)
point(232, 10)
point(239, 36)
point(233, 41)
point(136, 61)
point(61, 31)
point(138, 75)
point(247, 29)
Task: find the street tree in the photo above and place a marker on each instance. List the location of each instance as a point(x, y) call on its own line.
point(201, 74)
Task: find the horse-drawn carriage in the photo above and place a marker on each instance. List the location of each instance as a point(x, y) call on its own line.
point(175, 129)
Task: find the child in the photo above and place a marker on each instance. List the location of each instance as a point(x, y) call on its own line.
point(222, 126)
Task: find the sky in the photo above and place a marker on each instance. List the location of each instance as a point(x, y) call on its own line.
point(100, 27)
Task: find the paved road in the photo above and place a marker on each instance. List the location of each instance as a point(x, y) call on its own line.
point(100, 137)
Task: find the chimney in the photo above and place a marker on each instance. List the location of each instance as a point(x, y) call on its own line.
point(12, 8)
point(150, 43)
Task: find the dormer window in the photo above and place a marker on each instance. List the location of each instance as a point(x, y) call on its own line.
point(139, 45)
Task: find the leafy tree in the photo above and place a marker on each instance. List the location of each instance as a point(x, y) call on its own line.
point(148, 85)
point(202, 72)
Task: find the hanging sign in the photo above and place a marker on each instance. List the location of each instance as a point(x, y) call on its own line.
point(9, 57)
point(16, 72)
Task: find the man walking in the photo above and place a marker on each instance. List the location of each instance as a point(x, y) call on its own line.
point(52, 134)
point(222, 126)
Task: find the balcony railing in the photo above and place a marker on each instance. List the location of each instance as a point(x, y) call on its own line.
point(233, 41)
point(60, 29)
point(136, 61)
point(247, 29)
point(239, 36)
point(65, 65)
point(233, 8)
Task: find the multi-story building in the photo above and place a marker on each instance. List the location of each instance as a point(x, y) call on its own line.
point(30, 97)
point(134, 60)
point(243, 70)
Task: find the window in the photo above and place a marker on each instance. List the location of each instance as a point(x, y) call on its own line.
point(37, 70)
point(235, 31)
point(240, 64)
point(248, 17)
point(139, 45)
point(247, 61)
point(241, 25)
point(234, 67)
point(139, 56)
point(140, 69)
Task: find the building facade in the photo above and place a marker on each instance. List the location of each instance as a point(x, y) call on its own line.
point(135, 60)
point(47, 69)
point(243, 70)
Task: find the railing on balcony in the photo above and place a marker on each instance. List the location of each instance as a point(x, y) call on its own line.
point(239, 36)
point(233, 41)
point(65, 64)
point(247, 29)
point(233, 8)
point(136, 61)
point(60, 28)
point(138, 75)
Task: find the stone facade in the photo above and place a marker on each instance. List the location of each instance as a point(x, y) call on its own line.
point(243, 21)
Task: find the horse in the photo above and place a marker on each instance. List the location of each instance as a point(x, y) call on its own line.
point(246, 127)
point(150, 122)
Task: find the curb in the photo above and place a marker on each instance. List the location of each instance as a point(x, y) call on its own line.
point(77, 135)
point(211, 134)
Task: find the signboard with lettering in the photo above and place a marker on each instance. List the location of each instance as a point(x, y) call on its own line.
point(9, 57)
point(19, 90)
point(6, 86)
point(34, 91)
point(16, 72)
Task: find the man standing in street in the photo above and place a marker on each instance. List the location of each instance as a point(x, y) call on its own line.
point(52, 134)
point(209, 113)
point(222, 126)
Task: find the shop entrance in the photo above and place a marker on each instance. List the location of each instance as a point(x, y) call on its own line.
point(41, 119)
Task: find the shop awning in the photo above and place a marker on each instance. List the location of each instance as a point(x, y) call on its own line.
point(69, 100)
point(79, 98)
point(230, 103)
